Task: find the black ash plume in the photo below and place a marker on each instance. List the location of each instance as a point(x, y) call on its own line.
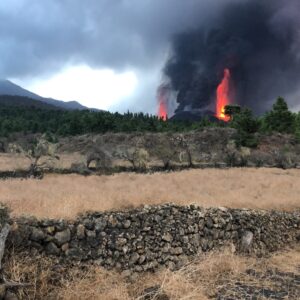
point(257, 40)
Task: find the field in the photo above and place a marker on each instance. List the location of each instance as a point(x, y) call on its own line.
point(206, 277)
point(58, 196)
point(10, 161)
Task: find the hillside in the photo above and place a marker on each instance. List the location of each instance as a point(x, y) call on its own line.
point(9, 88)
point(25, 102)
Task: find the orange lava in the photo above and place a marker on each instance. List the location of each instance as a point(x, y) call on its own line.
point(223, 97)
point(162, 102)
point(162, 111)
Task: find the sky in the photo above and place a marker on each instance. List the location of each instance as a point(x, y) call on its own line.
point(106, 54)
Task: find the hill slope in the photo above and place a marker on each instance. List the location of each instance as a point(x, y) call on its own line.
point(26, 102)
point(9, 88)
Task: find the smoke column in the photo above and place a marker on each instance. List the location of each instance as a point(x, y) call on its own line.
point(257, 41)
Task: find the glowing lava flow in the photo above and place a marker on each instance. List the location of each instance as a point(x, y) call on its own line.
point(223, 98)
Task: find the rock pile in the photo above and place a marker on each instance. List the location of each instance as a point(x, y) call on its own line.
point(145, 238)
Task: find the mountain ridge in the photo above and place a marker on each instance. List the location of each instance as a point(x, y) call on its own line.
point(8, 88)
point(26, 102)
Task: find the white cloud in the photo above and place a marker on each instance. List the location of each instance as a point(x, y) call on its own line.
point(102, 88)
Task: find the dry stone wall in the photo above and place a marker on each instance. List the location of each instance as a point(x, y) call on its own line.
point(145, 238)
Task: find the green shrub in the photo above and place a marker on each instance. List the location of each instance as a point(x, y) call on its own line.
point(297, 127)
point(232, 110)
point(246, 125)
point(280, 119)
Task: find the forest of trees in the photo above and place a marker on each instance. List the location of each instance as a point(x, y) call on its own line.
point(32, 119)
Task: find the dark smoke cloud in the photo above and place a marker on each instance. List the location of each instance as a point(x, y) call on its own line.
point(39, 38)
point(257, 40)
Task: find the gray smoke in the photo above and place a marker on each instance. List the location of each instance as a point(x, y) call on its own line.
point(257, 40)
point(39, 38)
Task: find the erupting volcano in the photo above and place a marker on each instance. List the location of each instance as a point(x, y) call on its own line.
point(223, 96)
point(248, 55)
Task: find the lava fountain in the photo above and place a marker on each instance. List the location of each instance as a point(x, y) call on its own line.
point(162, 113)
point(223, 96)
point(163, 96)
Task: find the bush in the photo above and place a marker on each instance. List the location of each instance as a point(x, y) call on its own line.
point(4, 214)
point(297, 127)
point(244, 139)
point(232, 110)
point(80, 168)
point(2, 147)
point(136, 156)
point(140, 159)
point(165, 150)
point(260, 159)
point(184, 150)
point(280, 160)
point(245, 121)
point(231, 159)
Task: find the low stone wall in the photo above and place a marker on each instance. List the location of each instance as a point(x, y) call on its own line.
point(142, 239)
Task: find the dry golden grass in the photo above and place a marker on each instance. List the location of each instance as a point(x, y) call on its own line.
point(9, 162)
point(199, 280)
point(287, 261)
point(67, 195)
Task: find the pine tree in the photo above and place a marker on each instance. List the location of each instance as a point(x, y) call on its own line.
point(280, 119)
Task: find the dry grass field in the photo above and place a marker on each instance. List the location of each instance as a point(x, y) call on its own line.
point(10, 161)
point(206, 277)
point(67, 195)
point(13, 162)
point(202, 279)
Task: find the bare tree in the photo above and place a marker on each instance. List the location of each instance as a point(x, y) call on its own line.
point(182, 143)
point(138, 157)
point(165, 150)
point(101, 158)
point(136, 154)
point(42, 149)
